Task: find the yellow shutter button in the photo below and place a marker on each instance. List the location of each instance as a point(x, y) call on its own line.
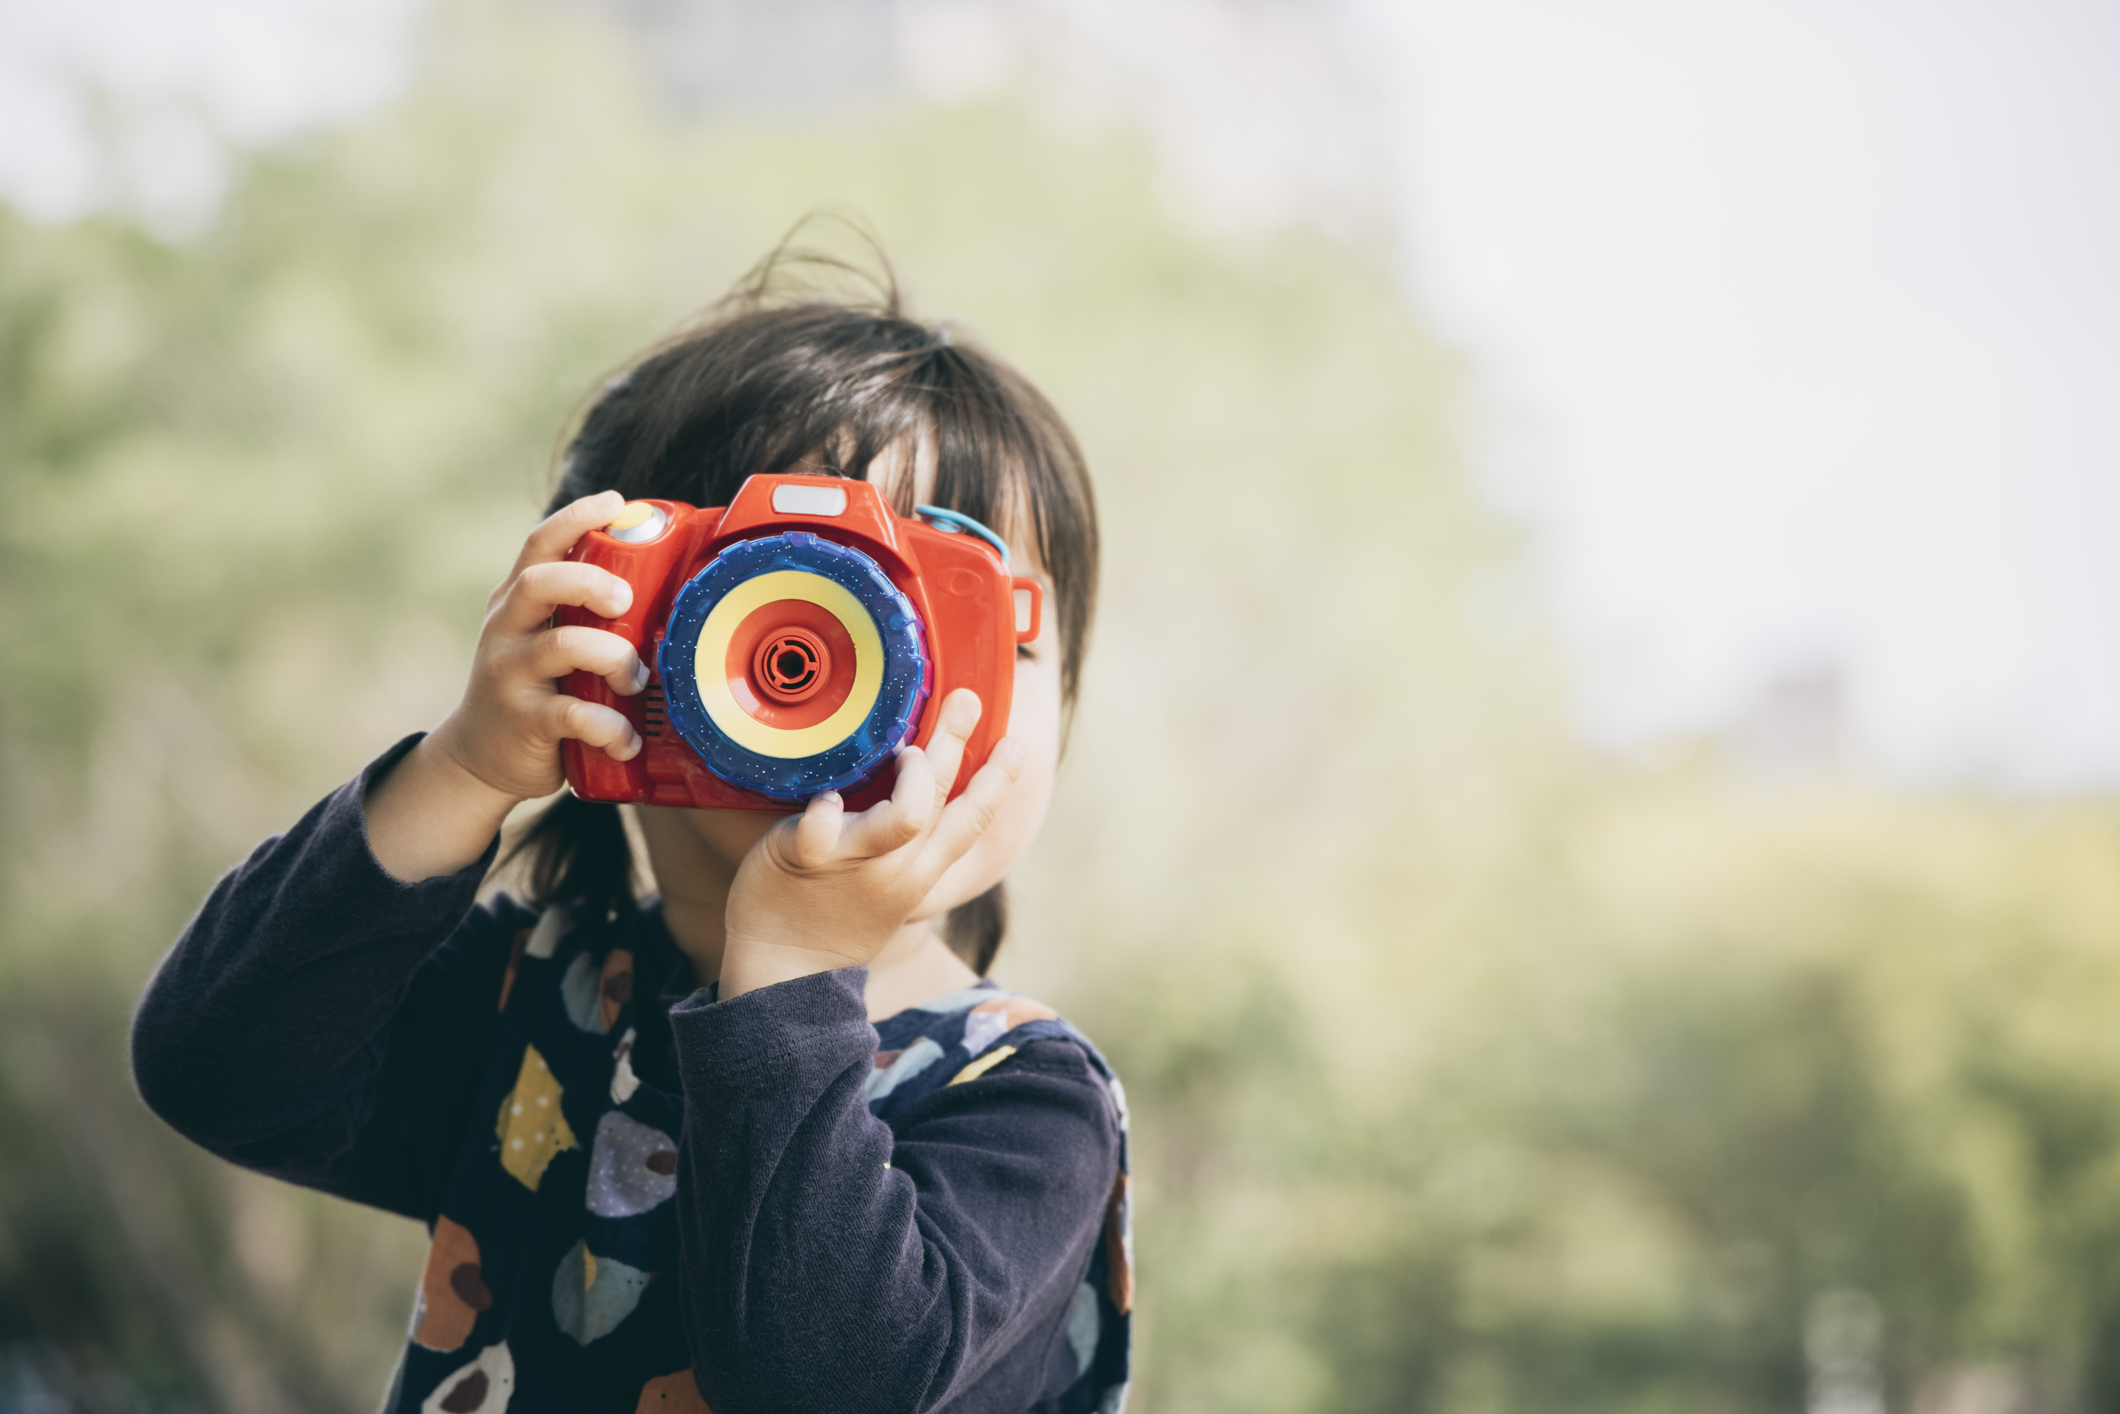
point(638, 523)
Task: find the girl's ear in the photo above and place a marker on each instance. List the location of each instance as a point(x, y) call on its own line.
point(974, 929)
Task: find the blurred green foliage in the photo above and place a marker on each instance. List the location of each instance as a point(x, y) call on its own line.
point(1470, 1073)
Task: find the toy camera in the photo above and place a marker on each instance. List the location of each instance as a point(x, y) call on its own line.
point(797, 641)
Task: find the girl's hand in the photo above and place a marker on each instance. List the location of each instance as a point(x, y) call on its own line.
point(825, 890)
point(437, 809)
point(507, 730)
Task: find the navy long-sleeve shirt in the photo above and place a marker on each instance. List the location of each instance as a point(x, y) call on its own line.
point(643, 1197)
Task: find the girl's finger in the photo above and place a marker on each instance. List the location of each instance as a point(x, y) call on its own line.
point(592, 724)
point(969, 815)
point(817, 830)
point(556, 533)
point(894, 823)
point(540, 589)
point(569, 648)
point(953, 728)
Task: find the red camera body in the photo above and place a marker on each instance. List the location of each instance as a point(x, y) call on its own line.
point(797, 640)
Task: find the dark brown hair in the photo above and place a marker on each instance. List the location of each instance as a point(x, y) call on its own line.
point(814, 361)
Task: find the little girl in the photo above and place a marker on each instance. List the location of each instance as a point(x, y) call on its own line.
point(768, 1140)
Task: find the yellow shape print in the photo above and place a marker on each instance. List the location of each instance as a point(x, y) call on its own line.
point(982, 1065)
point(531, 1128)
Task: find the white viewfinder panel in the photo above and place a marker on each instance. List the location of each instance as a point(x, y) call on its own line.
point(810, 500)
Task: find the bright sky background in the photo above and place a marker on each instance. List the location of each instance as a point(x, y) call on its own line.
point(174, 81)
point(1796, 324)
point(1799, 328)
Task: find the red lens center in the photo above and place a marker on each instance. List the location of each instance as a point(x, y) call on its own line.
point(790, 664)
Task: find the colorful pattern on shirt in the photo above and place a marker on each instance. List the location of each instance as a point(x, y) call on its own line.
point(541, 1290)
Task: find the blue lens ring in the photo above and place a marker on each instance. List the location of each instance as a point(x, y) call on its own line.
point(907, 673)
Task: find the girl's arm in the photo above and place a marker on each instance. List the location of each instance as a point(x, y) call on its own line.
point(323, 1021)
point(833, 1266)
point(312, 1021)
point(830, 1264)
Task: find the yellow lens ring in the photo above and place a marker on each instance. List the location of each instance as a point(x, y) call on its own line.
point(711, 673)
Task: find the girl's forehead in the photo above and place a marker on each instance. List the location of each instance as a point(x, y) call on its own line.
point(913, 457)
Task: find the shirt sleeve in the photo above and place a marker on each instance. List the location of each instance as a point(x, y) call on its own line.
point(324, 1022)
point(831, 1263)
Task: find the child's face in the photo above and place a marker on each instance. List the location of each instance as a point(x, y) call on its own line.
point(717, 840)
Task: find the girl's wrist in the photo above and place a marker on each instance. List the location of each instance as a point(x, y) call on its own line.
point(454, 773)
point(430, 815)
point(749, 964)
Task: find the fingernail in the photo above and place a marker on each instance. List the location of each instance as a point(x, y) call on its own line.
point(830, 795)
point(621, 600)
point(640, 676)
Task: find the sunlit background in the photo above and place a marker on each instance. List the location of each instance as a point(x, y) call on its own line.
point(1591, 830)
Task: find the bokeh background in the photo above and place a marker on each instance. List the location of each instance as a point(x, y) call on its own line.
point(1591, 830)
